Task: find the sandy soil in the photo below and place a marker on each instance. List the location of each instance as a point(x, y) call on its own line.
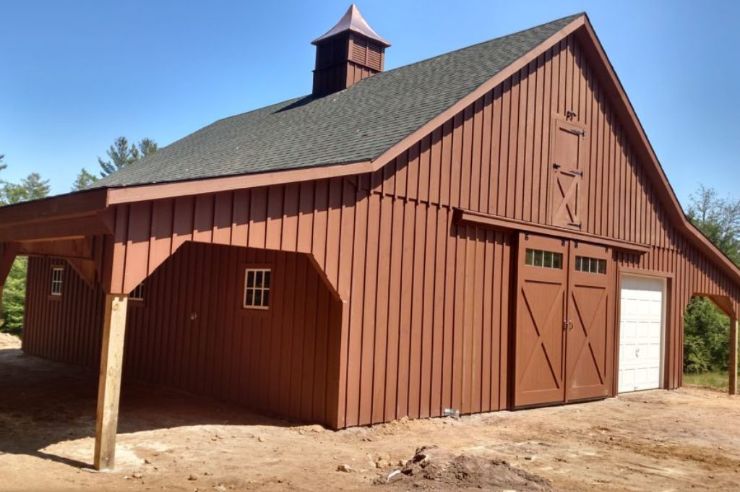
point(645, 441)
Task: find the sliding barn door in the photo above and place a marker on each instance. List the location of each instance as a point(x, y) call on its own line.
point(564, 338)
point(590, 327)
point(541, 304)
point(568, 161)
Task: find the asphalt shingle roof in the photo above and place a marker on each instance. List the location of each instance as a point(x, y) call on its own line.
point(356, 124)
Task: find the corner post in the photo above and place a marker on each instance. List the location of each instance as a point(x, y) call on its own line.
point(7, 257)
point(109, 384)
point(733, 355)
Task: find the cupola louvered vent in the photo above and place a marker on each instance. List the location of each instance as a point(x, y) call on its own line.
point(347, 53)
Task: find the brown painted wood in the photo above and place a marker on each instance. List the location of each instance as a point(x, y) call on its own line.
point(61, 206)
point(565, 324)
point(566, 170)
point(226, 351)
point(540, 314)
point(544, 230)
point(419, 302)
point(8, 253)
point(589, 355)
point(733, 355)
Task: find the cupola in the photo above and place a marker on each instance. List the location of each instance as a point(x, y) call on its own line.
point(349, 52)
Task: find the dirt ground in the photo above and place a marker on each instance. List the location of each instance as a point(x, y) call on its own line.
point(656, 440)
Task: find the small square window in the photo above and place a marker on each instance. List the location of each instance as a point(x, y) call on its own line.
point(138, 293)
point(57, 277)
point(257, 288)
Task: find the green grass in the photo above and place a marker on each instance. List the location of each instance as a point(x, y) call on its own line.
point(713, 380)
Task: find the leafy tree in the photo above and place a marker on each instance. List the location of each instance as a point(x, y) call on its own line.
point(14, 298)
point(84, 180)
point(706, 334)
point(122, 154)
point(14, 293)
point(719, 219)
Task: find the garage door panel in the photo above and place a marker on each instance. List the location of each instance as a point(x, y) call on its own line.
point(641, 333)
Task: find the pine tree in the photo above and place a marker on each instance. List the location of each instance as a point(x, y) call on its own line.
point(32, 187)
point(122, 154)
point(84, 180)
point(147, 146)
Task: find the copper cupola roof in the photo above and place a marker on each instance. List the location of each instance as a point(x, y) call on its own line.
point(353, 21)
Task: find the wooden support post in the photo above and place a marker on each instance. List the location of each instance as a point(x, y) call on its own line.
point(109, 385)
point(7, 257)
point(733, 355)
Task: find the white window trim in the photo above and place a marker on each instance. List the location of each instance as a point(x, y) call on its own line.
point(57, 283)
point(247, 270)
point(137, 294)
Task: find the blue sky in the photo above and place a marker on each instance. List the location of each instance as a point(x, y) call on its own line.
point(76, 74)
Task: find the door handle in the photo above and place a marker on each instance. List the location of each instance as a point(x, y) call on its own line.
point(567, 324)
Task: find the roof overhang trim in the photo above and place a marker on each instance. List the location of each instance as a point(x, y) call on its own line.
point(506, 223)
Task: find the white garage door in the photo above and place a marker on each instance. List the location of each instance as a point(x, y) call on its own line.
point(641, 333)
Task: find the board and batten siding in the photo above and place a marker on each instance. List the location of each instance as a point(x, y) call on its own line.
point(494, 158)
point(425, 298)
point(191, 331)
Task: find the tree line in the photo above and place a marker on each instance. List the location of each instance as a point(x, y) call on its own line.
point(120, 154)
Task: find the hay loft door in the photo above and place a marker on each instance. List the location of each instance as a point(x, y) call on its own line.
point(568, 147)
point(564, 336)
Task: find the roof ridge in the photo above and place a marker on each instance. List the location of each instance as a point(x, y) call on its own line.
point(308, 95)
point(470, 46)
point(355, 124)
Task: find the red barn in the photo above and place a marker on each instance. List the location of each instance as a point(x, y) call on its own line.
point(487, 229)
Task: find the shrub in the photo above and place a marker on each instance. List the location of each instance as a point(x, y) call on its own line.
point(705, 337)
point(14, 297)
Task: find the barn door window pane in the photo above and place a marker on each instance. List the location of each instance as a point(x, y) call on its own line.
point(590, 265)
point(257, 288)
point(545, 259)
point(557, 261)
point(57, 276)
